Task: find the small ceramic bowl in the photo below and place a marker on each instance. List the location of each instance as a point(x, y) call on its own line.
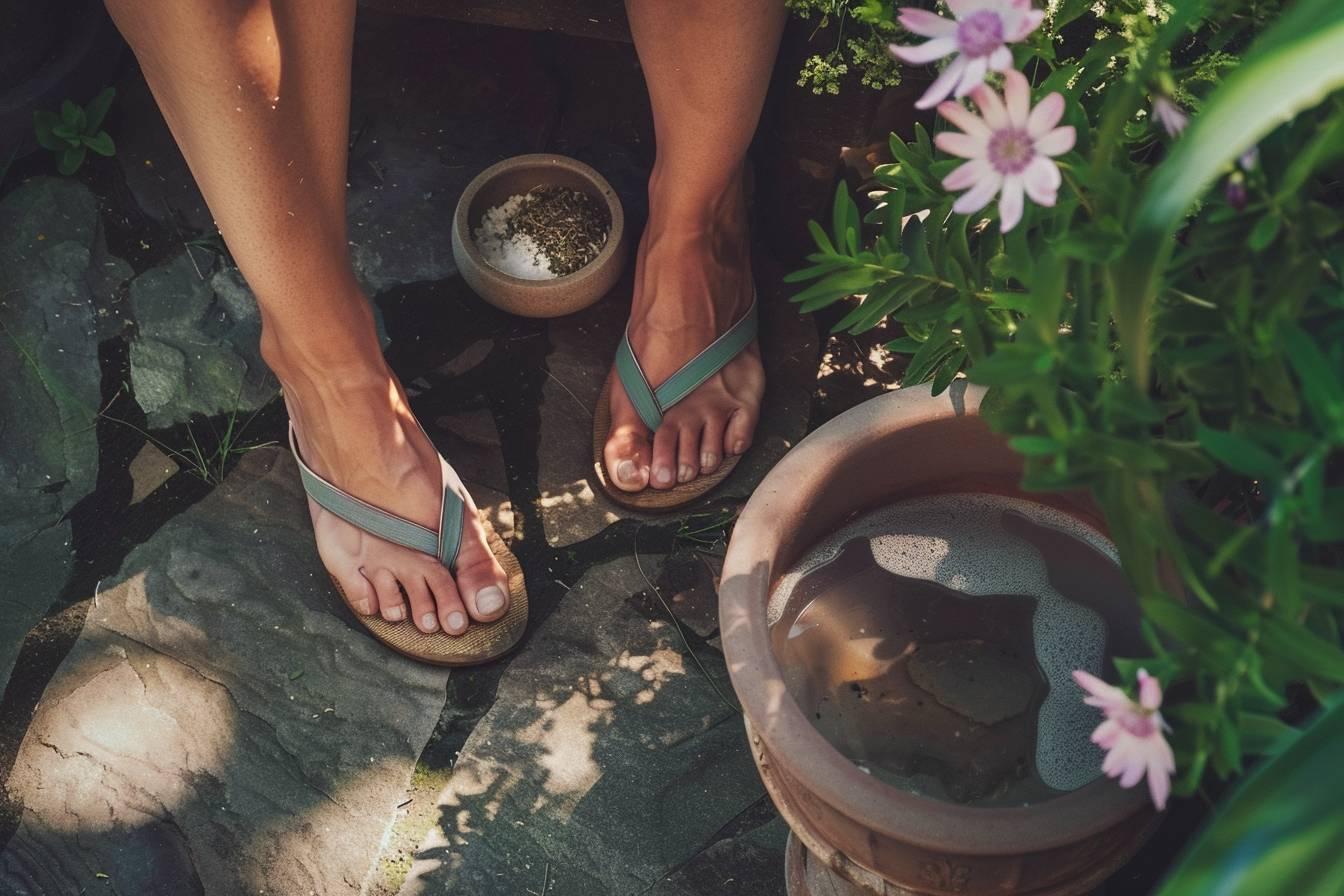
point(537, 298)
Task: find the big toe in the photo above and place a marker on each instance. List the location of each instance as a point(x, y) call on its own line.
point(626, 456)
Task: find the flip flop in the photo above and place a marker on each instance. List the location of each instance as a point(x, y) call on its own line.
point(651, 404)
point(482, 641)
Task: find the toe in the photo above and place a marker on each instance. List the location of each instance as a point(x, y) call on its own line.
point(711, 444)
point(358, 591)
point(394, 612)
point(388, 590)
point(480, 578)
point(688, 451)
point(737, 437)
point(626, 456)
point(421, 599)
point(665, 457)
point(452, 614)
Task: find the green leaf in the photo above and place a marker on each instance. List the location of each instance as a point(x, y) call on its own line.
point(1035, 446)
point(820, 238)
point(1264, 232)
point(100, 143)
point(834, 287)
point(1098, 243)
point(1320, 379)
point(1290, 67)
point(1302, 649)
point(97, 108)
point(44, 124)
point(845, 227)
point(70, 160)
point(1264, 735)
point(1239, 454)
point(934, 350)
point(1280, 831)
point(73, 117)
point(947, 371)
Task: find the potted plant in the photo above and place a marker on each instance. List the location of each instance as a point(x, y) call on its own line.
point(1131, 237)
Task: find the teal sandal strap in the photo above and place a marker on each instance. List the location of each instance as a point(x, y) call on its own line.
point(651, 403)
point(388, 526)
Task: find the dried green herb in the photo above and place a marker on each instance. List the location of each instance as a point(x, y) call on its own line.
point(568, 226)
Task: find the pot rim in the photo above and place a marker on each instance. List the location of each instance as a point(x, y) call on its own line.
point(795, 745)
point(540, 161)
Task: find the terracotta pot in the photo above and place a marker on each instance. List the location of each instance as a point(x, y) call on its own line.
point(537, 298)
point(902, 445)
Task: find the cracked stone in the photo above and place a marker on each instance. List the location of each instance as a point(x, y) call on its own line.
point(197, 350)
point(219, 726)
point(599, 721)
point(49, 241)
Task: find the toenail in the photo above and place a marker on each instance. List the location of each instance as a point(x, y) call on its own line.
point(707, 461)
point(488, 600)
point(739, 446)
point(685, 473)
point(428, 622)
point(396, 614)
point(362, 606)
point(456, 621)
point(625, 471)
point(663, 476)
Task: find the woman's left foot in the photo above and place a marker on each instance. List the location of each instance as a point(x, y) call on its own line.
point(692, 282)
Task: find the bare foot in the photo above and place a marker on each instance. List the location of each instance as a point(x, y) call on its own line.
point(692, 282)
point(356, 430)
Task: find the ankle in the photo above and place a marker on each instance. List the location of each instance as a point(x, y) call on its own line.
point(695, 204)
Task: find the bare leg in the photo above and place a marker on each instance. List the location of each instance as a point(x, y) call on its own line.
point(707, 64)
point(257, 95)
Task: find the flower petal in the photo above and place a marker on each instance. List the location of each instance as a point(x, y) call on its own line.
point(962, 8)
point(967, 174)
point(1026, 23)
point(925, 23)
point(1001, 59)
point(959, 144)
point(1017, 97)
point(1150, 691)
point(1159, 786)
point(942, 86)
point(925, 52)
point(991, 107)
point(1010, 203)
point(1046, 115)
point(1041, 178)
point(1056, 142)
point(964, 118)
point(1132, 774)
point(973, 76)
point(978, 196)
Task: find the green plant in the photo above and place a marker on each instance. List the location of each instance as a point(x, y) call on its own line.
point(75, 131)
point(1280, 832)
point(862, 30)
point(1177, 350)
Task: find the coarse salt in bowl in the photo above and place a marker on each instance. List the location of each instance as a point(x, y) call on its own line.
point(514, 274)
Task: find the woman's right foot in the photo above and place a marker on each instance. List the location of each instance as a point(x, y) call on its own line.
point(355, 429)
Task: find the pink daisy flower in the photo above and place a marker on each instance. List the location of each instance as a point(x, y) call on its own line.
point(1132, 734)
point(1009, 148)
point(979, 36)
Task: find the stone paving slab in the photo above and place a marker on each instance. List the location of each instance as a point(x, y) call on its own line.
point(52, 270)
point(607, 757)
point(219, 727)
